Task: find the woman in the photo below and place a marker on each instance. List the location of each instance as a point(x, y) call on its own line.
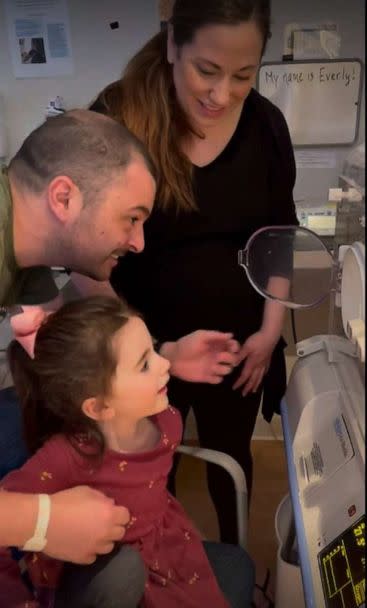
point(226, 169)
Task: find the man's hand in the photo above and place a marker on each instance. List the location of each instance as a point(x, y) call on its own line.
point(256, 352)
point(84, 523)
point(202, 356)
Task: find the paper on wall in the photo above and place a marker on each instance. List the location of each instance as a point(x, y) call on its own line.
point(39, 38)
point(315, 44)
point(311, 41)
point(315, 159)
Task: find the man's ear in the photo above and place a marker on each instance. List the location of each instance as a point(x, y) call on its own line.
point(171, 47)
point(97, 409)
point(64, 198)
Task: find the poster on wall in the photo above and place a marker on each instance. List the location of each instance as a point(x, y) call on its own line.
point(311, 41)
point(39, 38)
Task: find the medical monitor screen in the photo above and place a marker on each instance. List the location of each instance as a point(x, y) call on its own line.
point(342, 566)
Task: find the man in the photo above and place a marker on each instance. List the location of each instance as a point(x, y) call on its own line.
point(76, 195)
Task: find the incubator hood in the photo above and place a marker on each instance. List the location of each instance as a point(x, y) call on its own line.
point(292, 265)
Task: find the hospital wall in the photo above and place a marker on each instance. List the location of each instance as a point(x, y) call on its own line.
point(99, 54)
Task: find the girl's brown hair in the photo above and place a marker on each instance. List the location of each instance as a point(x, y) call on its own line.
point(74, 360)
point(144, 98)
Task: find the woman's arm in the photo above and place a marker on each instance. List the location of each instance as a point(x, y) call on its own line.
point(274, 312)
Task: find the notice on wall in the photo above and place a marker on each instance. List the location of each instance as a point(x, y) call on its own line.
point(311, 41)
point(39, 38)
point(315, 159)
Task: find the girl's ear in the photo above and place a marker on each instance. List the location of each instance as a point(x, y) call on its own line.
point(97, 409)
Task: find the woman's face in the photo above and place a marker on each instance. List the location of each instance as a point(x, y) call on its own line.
point(215, 72)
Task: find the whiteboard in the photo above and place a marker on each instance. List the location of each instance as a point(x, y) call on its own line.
point(319, 99)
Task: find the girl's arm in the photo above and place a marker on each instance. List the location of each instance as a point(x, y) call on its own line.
point(48, 471)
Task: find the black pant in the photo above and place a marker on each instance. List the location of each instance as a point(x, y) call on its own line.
point(225, 422)
point(117, 580)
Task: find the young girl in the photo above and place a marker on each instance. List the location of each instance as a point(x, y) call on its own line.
point(96, 413)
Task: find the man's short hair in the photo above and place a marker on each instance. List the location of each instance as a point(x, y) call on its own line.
point(86, 146)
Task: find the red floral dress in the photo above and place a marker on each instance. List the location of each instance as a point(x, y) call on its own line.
point(179, 574)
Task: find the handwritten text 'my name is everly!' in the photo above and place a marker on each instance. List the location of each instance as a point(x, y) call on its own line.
point(323, 74)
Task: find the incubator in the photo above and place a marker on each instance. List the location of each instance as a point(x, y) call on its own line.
point(321, 530)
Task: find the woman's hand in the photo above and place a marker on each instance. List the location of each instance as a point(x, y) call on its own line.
point(256, 353)
point(202, 356)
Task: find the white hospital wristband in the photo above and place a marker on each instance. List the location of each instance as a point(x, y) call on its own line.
point(38, 540)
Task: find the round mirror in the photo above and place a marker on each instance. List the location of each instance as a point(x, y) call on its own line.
point(288, 264)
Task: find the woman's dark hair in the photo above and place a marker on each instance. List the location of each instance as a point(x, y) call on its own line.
point(74, 360)
point(144, 98)
point(188, 16)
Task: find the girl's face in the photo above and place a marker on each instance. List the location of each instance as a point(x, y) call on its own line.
point(215, 72)
point(139, 386)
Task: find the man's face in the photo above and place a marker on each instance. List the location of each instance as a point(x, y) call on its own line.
point(113, 225)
